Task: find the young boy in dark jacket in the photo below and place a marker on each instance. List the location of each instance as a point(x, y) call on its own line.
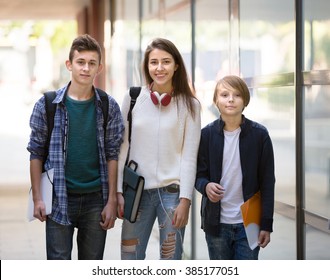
point(235, 161)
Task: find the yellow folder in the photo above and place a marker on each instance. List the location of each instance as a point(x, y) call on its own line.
point(251, 214)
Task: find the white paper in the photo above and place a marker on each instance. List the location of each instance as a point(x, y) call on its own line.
point(252, 234)
point(46, 194)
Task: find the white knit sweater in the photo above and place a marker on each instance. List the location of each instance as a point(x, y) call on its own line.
point(164, 143)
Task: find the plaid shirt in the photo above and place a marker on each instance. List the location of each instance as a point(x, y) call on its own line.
point(108, 145)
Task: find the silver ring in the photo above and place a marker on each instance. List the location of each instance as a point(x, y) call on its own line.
point(113, 218)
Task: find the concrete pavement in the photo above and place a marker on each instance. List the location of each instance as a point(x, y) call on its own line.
point(23, 240)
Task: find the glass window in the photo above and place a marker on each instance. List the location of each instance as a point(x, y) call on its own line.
point(317, 149)
point(275, 109)
point(317, 243)
point(212, 52)
point(124, 57)
point(267, 37)
point(317, 34)
point(170, 20)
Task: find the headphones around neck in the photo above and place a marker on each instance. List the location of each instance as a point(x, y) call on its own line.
point(157, 98)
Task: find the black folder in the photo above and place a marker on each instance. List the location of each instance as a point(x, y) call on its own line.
point(133, 185)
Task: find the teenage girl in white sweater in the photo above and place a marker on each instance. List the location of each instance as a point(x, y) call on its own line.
point(165, 137)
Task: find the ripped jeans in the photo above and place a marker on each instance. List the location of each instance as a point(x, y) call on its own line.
point(156, 203)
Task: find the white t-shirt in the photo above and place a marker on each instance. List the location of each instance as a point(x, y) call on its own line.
point(231, 179)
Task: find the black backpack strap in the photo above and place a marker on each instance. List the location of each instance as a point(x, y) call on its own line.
point(134, 93)
point(50, 113)
point(105, 107)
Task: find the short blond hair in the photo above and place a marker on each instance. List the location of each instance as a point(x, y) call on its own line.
point(235, 83)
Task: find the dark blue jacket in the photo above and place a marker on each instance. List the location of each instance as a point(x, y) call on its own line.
point(257, 163)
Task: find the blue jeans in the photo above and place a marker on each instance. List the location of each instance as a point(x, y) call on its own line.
point(84, 212)
point(231, 244)
point(156, 203)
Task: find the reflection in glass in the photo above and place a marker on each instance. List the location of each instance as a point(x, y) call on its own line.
point(124, 57)
point(317, 149)
point(267, 37)
point(317, 34)
point(317, 244)
point(212, 52)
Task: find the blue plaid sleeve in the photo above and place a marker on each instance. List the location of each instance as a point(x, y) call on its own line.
point(39, 131)
point(114, 132)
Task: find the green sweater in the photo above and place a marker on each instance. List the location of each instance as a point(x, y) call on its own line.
point(82, 159)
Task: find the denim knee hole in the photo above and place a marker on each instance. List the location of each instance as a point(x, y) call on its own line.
point(129, 246)
point(168, 246)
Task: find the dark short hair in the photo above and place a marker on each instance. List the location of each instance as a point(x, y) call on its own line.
point(85, 43)
point(236, 83)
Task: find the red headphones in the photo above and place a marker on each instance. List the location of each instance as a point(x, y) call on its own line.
point(156, 98)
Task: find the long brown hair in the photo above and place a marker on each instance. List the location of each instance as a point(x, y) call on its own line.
point(180, 84)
